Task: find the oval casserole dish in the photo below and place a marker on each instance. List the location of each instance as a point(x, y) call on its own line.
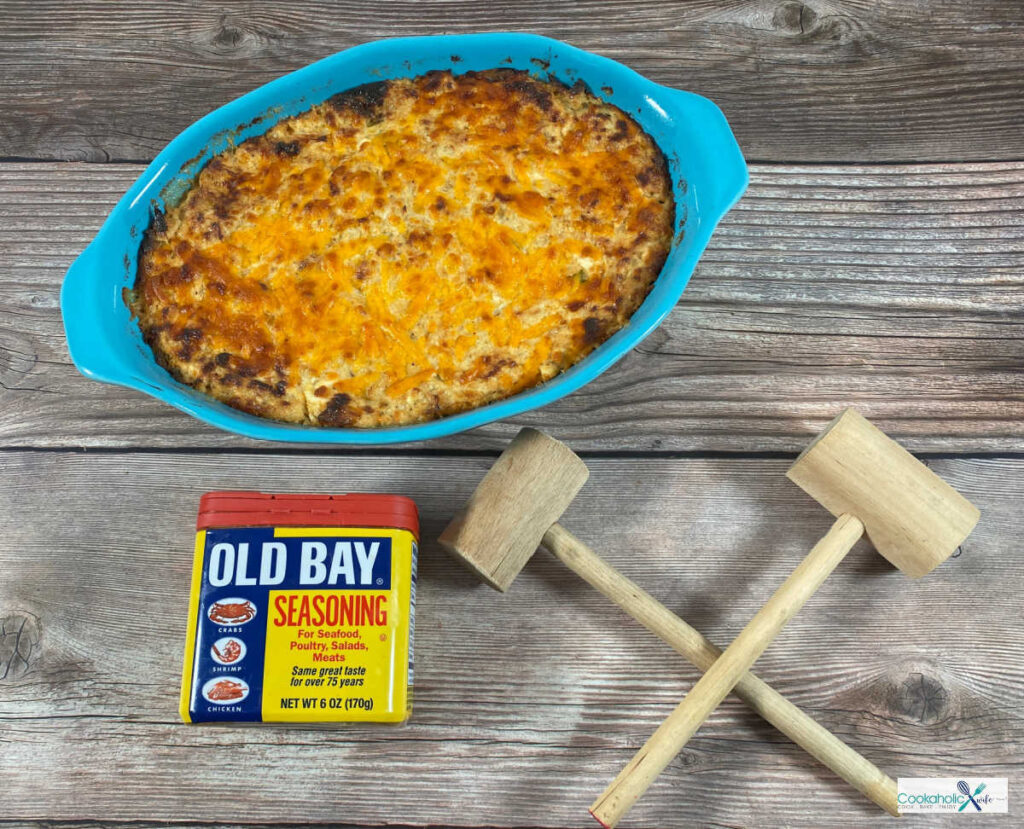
point(707, 171)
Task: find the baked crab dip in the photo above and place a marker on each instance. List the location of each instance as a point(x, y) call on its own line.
point(407, 250)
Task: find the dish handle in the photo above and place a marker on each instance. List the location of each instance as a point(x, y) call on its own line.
point(92, 309)
point(706, 134)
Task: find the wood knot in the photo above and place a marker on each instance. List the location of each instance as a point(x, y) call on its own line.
point(44, 300)
point(228, 36)
point(922, 698)
point(689, 760)
point(795, 18)
point(20, 635)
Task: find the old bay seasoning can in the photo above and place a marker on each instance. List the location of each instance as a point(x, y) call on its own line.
point(302, 609)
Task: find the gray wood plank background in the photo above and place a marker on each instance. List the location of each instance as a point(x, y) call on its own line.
point(527, 703)
point(894, 288)
point(877, 260)
point(846, 80)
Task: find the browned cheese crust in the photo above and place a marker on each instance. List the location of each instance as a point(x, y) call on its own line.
point(407, 250)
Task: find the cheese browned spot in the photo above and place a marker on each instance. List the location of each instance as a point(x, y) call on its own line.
point(406, 250)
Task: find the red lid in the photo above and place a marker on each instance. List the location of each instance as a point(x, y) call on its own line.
point(261, 509)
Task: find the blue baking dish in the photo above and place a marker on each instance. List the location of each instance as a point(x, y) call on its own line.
point(707, 169)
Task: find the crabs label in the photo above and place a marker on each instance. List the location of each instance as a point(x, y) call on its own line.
point(232, 611)
point(300, 624)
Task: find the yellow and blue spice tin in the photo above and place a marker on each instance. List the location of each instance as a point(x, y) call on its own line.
point(302, 609)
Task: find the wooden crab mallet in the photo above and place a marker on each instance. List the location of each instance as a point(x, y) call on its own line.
point(874, 486)
point(514, 510)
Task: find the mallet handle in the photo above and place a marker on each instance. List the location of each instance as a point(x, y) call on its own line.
point(728, 671)
point(818, 741)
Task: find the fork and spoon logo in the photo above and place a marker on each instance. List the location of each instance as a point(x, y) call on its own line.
point(965, 789)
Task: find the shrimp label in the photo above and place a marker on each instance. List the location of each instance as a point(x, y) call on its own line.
point(300, 624)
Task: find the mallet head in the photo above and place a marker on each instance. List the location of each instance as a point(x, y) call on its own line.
point(520, 497)
point(913, 518)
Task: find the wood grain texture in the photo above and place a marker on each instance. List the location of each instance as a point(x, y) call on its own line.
point(800, 81)
point(143, 824)
point(525, 704)
point(896, 289)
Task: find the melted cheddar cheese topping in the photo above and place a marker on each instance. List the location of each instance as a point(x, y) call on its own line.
point(407, 250)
